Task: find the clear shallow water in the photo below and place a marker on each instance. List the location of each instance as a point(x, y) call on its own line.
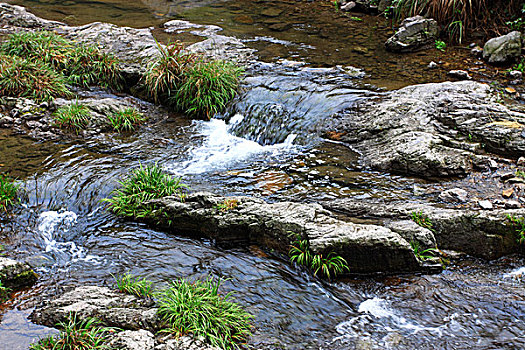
point(65, 231)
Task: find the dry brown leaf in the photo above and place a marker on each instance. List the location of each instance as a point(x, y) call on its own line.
point(508, 192)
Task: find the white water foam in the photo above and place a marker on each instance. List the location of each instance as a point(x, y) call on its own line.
point(517, 274)
point(221, 149)
point(377, 317)
point(51, 224)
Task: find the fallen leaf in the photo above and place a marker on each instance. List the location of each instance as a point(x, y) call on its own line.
point(510, 90)
point(508, 193)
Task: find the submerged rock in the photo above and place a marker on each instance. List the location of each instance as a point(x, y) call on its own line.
point(15, 274)
point(503, 49)
point(415, 33)
point(367, 248)
point(17, 16)
point(424, 129)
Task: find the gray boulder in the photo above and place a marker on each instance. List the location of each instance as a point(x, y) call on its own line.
point(482, 233)
point(423, 129)
point(110, 307)
point(15, 274)
point(17, 16)
point(503, 49)
point(367, 248)
point(133, 340)
point(414, 34)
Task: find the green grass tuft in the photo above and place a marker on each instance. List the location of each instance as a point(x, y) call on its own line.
point(207, 87)
point(81, 64)
point(76, 334)
point(132, 285)
point(328, 266)
point(422, 254)
point(421, 219)
point(142, 185)
point(8, 192)
point(519, 224)
point(4, 292)
point(73, 116)
point(198, 308)
point(35, 80)
point(126, 119)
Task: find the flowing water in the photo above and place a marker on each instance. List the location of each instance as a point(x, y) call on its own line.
point(266, 145)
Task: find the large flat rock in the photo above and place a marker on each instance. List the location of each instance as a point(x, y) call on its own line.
point(439, 129)
point(367, 248)
point(15, 274)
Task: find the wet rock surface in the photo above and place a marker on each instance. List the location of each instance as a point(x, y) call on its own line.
point(15, 274)
point(481, 233)
point(443, 129)
point(137, 318)
point(367, 248)
point(414, 34)
point(503, 49)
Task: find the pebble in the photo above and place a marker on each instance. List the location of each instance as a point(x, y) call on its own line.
point(486, 205)
point(349, 6)
point(493, 164)
point(454, 195)
point(432, 65)
point(515, 74)
point(460, 74)
point(521, 161)
point(477, 52)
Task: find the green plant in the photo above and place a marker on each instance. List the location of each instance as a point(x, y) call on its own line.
point(519, 22)
point(72, 116)
point(8, 192)
point(207, 87)
point(520, 173)
point(519, 225)
point(82, 64)
point(440, 45)
point(142, 185)
point(4, 291)
point(76, 334)
point(132, 285)
point(227, 204)
point(329, 266)
point(357, 19)
point(22, 78)
point(424, 254)
point(336, 5)
point(126, 119)
point(198, 308)
point(421, 219)
point(164, 74)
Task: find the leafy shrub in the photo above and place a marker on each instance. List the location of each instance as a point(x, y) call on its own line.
point(142, 185)
point(8, 192)
point(227, 204)
point(83, 65)
point(23, 78)
point(197, 308)
point(73, 116)
point(3, 292)
point(76, 335)
point(130, 284)
point(126, 119)
point(207, 87)
point(329, 266)
point(164, 74)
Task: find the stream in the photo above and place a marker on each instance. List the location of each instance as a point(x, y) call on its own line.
point(266, 145)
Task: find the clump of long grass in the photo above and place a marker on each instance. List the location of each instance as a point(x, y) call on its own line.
point(72, 116)
point(164, 74)
point(460, 17)
point(76, 334)
point(198, 308)
point(81, 64)
point(126, 119)
point(8, 192)
point(129, 284)
point(4, 291)
point(141, 185)
point(207, 87)
point(20, 77)
point(190, 83)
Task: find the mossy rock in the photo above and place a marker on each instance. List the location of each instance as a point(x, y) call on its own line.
point(14, 274)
